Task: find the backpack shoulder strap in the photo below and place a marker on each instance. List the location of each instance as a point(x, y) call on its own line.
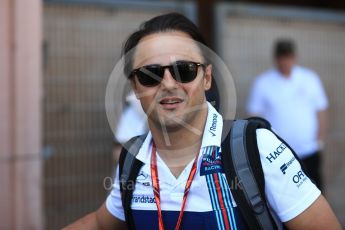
point(241, 160)
point(129, 168)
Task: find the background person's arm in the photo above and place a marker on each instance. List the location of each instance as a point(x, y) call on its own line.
point(255, 102)
point(321, 106)
point(322, 118)
point(98, 220)
point(318, 216)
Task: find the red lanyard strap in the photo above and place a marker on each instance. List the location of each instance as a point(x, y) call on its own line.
point(156, 189)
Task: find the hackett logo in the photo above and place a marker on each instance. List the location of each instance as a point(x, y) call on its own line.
point(213, 127)
point(272, 156)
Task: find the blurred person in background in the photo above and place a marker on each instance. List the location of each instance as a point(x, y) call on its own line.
point(293, 100)
point(181, 184)
point(132, 123)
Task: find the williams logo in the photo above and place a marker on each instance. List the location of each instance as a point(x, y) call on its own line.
point(284, 167)
point(279, 150)
point(211, 162)
point(213, 127)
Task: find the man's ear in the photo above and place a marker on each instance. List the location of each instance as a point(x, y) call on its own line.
point(208, 77)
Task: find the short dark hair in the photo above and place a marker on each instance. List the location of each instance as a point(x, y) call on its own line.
point(284, 47)
point(161, 23)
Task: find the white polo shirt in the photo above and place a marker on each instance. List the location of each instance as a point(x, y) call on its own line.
point(132, 121)
point(288, 190)
point(290, 105)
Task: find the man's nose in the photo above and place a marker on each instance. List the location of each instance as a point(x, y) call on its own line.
point(168, 80)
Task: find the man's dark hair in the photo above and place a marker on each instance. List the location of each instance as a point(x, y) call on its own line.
point(284, 47)
point(162, 23)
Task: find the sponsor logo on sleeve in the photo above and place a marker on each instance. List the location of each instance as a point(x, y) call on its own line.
point(299, 178)
point(213, 127)
point(276, 153)
point(286, 165)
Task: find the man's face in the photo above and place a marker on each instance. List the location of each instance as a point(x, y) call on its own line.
point(285, 63)
point(171, 104)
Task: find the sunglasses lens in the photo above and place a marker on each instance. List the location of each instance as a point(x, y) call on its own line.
point(187, 71)
point(150, 75)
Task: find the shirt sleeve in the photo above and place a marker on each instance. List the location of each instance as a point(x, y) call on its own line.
point(320, 98)
point(288, 190)
point(113, 202)
point(255, 103)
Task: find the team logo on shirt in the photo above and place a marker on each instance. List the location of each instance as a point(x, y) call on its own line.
point(276, 153)
point(285, 166)
point(211, 162)
point(143, 178)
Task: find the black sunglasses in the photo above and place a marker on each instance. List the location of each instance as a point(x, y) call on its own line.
point(181, 71)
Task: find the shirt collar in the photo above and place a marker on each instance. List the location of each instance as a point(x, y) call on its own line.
point(145, 150)
point(292, 74)
point(212, 134)
point(213, 128)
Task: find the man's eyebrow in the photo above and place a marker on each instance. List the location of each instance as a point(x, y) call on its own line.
point(143, 66)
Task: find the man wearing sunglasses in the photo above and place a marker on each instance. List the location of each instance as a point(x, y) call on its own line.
point(181, 184)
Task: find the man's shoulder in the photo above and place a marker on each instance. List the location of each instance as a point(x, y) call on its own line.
point(266, 76)
point(307, 73)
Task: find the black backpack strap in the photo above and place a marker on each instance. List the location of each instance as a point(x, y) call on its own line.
point(129, 168)
point(253, 124)
point(241, 160)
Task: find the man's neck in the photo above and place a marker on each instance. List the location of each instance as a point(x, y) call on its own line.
point(177, 160)
point(179, 146)
point(284, 74)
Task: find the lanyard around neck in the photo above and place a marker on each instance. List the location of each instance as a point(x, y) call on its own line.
point(156, 189)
